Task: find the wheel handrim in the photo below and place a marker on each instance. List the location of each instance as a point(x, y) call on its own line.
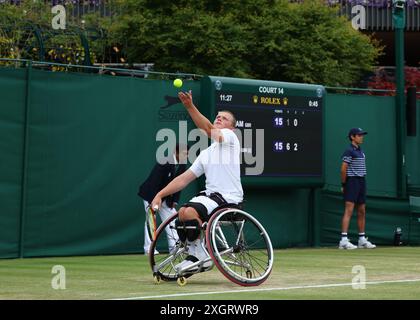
point(242, 262)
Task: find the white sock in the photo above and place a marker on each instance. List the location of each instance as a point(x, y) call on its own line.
point(344, 237)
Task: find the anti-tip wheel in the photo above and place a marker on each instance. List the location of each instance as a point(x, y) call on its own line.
point(249, 274)
point(157, 279)
point(182, 281)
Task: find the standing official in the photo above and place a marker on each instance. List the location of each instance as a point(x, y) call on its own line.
point(353, 173)
point(159, 178)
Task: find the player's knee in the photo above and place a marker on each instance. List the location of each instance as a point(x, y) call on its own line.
point(188, 213)
point(348, 213)
point(181, 211)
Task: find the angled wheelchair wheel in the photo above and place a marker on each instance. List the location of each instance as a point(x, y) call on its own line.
point(239, 246)
point(163, 264)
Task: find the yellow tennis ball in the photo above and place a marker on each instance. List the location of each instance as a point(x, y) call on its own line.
point(178, 83)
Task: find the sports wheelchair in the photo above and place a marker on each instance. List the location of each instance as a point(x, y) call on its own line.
point(237, 244)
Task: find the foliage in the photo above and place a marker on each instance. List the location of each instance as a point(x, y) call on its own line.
point(278, 40)
point(385, 81)
point(266, 39)
point(20, 27)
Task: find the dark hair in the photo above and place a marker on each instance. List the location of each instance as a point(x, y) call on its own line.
point(352, 135)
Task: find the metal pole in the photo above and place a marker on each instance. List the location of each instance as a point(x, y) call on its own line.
point(85, 43)
point(399, 25)
point(25, 162)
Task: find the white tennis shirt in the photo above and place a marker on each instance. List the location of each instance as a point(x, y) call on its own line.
point(220, 163)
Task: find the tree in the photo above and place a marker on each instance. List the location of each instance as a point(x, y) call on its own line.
point(267, 39)
point(314, 45)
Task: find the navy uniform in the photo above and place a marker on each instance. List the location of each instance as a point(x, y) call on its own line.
point(159, 178)
point(355, 186)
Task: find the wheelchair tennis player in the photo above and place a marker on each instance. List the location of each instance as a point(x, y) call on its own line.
point(220, 163)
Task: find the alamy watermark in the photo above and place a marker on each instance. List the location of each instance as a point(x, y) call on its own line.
point(58, 282)
point(359, 280)
point(251, 150)
point(59, 19)
point(358, 21)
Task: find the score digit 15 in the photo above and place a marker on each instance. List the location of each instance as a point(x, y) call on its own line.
point(280, 122)
point(280, 146)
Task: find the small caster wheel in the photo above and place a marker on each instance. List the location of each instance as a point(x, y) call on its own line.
point(248, 274)
point(182, 281)
point(157, 279)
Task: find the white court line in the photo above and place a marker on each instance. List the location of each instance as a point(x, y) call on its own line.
point(267, 289)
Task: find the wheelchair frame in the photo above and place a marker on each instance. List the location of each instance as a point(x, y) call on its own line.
point(240, 260)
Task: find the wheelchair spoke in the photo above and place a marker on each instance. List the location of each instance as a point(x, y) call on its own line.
point(241, 247)
point(237, 264)
point(255, 260)
point(227, 251)
point(163, 264)
point(221, 237)
point(240, 234)
point(169, 259)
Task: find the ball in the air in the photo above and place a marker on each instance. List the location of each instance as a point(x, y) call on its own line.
point(178, 83)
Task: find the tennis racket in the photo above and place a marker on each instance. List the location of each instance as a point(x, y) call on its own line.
point(151, 222)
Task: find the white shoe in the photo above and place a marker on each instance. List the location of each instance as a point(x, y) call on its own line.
point(196, 253)
point(347, 245)
point(365, 244)
point(186, 263)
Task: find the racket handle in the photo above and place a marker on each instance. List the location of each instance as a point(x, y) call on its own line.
point(156, 208)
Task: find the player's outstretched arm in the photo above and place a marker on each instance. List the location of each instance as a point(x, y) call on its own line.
point(200, 121)
point(174, 186)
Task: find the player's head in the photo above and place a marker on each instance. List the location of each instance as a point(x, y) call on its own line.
point(225, 119)
point(356, 135)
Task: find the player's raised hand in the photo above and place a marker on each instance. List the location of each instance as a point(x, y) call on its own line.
point(186, 98)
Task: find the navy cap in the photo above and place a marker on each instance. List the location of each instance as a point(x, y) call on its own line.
point(355, 131)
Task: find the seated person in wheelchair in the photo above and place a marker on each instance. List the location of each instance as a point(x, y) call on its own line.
point(220, 163)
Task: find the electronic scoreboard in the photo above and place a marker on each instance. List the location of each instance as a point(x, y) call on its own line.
point(279, 125)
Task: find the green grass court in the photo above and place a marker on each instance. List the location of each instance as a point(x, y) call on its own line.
point(391, 273)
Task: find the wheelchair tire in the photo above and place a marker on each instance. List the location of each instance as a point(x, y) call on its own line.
point(163, 264)
point(239, 246)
